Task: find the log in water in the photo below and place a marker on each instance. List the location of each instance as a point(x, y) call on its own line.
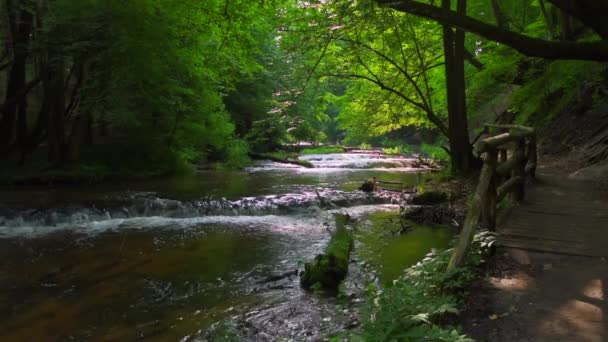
point(328, 270)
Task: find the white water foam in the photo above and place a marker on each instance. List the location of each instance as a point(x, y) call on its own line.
point(288, 224)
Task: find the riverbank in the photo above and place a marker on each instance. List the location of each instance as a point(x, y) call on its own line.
point(38, 172)
point(173, 258)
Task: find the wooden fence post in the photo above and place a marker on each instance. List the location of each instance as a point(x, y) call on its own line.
point(503, 155)
point(532, 157)
point(488, 198)
point(472, 220)
point(483, 204)
point(519, 170)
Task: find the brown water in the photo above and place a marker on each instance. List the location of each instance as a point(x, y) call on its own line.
point(71, 273)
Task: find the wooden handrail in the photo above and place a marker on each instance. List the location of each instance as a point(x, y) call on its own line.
point(502, 174)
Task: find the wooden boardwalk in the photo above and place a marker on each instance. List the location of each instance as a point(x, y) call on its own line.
point(553, 286)
point(559, 215)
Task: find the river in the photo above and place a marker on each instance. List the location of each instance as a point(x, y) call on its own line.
point(182, 259)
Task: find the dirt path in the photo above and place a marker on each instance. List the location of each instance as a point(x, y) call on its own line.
point(553, 286)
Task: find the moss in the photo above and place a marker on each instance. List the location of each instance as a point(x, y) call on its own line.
point(327, 271)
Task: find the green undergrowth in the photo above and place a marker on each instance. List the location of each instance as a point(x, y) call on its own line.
point(433, 151)
point(323, 150)
point(425, 302)
point(554, 89)
point(102, 163)
point(536, 90)
point(398, 150)
point(236, 155)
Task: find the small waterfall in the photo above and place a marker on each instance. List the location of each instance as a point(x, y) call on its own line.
point(361, 161)
point(146, 210)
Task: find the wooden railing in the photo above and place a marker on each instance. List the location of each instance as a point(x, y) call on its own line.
point(508, 158)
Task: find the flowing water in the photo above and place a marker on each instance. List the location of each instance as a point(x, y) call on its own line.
point(181, 259)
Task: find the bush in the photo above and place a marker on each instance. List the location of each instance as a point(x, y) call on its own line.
point(237, 155)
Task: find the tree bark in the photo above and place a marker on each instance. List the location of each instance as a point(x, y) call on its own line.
point(501, 19)
point(83, 118)
point(16, 83)
point(79, 136)
point(592, 13)
point(460, 147)
point(566, 26)
point(534, 47)
point(549, 22)
point(56, 129)
point(468, 55)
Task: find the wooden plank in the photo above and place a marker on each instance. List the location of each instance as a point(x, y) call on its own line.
point(558, 248)
point(566, 238)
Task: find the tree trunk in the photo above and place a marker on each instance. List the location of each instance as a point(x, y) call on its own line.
point(56, 129)
point(461, 156)
point(549, 22)
point(22, 130)
point(501, 19)
point(83, 119)
point(15, 97)
point(79, 136)
point(566, 26)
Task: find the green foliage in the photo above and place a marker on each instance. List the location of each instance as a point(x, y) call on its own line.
point(419, 303)
point(435, 152)
point(267, 134)
point(549, 90)
point(322, 150)
point(398, 150)
point(237, 155)
point(153, 76)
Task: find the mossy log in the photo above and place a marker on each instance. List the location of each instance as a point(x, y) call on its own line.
point(328, 270)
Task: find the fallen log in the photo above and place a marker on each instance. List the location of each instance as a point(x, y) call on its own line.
point(327, 270)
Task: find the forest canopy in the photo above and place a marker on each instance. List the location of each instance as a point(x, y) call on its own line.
point(160, 85)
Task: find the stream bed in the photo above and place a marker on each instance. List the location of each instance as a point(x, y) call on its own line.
point(182, 259)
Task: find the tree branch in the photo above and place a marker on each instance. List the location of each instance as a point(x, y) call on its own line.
point(472, 60)
point(534, 47)
point(431, 116)
point(592, 13)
